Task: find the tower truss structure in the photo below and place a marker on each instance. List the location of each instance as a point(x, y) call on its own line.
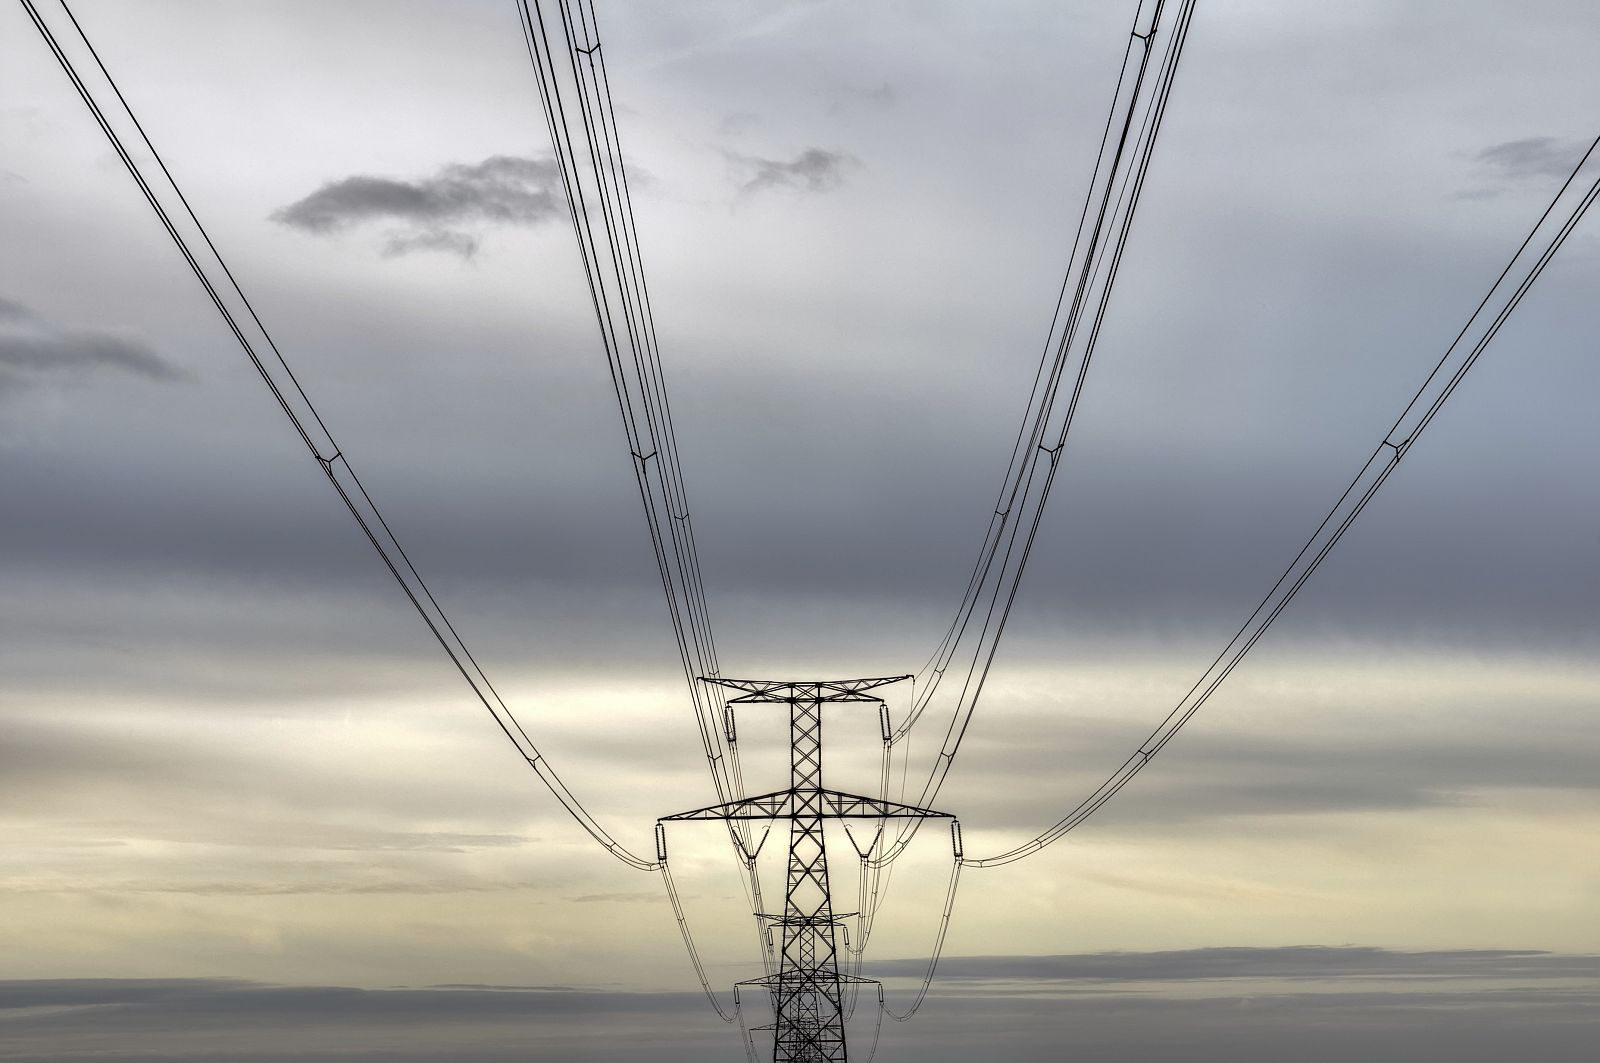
point(807, 987)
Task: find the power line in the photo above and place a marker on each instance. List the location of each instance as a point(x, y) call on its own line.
point(309, 425)
point(1507, 291)
point(1092, 272)
point(935, 665)
point(1120, 174)
point(596, 184)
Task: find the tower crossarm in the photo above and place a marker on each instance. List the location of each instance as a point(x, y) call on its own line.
point(785, 692)
point(823, 804)
point(771, 981)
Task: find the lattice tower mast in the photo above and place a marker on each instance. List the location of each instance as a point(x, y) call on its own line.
point(807, 989)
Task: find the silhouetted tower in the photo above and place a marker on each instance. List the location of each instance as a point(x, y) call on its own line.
point(807, 988)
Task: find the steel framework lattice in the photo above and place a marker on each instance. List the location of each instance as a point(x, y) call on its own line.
point(807, 988)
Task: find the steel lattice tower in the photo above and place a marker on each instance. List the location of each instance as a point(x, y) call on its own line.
point(807, 990)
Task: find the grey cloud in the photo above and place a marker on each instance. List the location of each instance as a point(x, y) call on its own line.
point(453, 243)
point(508, 988)
point(813, 170)
point(251, 1022)
point(618, 898)
point(501, 190)
point(217, 998)
point(32, 348)
point(739, 123)
point(1211, 776)
point(878, 97)
point(1294, 962)
point(1530, 157)
point(1318, 1005)
point(331, 885)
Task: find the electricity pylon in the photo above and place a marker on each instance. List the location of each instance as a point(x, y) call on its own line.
point(807, 988)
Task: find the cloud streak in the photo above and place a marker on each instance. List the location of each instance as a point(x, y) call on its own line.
point(880, 97)
point(432, 213)
point(813, 170)
point(33, 348)
point(1530, 158)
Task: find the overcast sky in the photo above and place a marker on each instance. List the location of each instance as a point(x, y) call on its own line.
point(232, 757)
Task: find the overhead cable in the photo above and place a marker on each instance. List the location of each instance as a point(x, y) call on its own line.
point(574, 90)
point(1144, 88)
point(1555, 224)
point(688, 943)
point(568, 61)
point(237, 312)
point(938, 948)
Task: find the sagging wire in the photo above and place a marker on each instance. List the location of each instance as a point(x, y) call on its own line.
point(1418, 413)
point(307, 422)
point(938, 946)
point(1041, 396)
point(1036, 464)
point(628, 328)
point(744, 1030)
point(688, 944)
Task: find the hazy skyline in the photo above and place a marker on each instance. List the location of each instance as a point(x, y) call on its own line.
point(231, 751)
